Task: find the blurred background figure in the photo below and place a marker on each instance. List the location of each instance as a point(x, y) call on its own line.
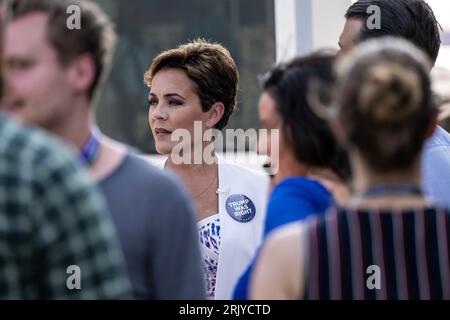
point(313, 167)
point(45, 198)
point(389, 241)
point(54, 73)
point(192, 85)
point(269, 120)
point(441, 87)
point(414, 21)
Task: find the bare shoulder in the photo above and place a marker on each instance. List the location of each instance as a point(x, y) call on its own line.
point(289, 232)
point(278, 273)
point(285, 241)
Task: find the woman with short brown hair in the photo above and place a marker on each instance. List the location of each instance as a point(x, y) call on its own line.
point(193, 89)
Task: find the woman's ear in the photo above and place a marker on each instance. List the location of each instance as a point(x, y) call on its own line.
point(215, 114)
point(339, 132)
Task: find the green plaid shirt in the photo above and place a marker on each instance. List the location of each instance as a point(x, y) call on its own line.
point(51, 217)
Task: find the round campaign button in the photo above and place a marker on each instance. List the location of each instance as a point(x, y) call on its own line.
point(240, 207)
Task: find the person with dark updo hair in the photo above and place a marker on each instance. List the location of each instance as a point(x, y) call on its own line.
point(389, 241)
point(313, 168)
point(415, 21)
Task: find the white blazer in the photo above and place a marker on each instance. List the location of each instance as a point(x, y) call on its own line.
point(243, 195)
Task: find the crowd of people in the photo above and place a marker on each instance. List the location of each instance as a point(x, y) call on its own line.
point(357, 206)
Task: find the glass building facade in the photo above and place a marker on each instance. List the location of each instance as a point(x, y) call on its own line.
point(147, 27)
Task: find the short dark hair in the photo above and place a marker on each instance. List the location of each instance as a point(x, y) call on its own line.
point(95, 37)
point(412, 20)
point(309, 135)
point(211, 68)
point(385, 102)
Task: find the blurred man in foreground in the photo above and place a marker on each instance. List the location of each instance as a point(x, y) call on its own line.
point(54, 74)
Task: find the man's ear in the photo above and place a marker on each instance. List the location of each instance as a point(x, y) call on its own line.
point(81, 72)
point(432, 127)
point(215, 114)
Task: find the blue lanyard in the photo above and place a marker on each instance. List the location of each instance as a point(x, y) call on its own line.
point(90, 150)
point(390, 189)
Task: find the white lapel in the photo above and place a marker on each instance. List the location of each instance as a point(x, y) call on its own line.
point(238, 240)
